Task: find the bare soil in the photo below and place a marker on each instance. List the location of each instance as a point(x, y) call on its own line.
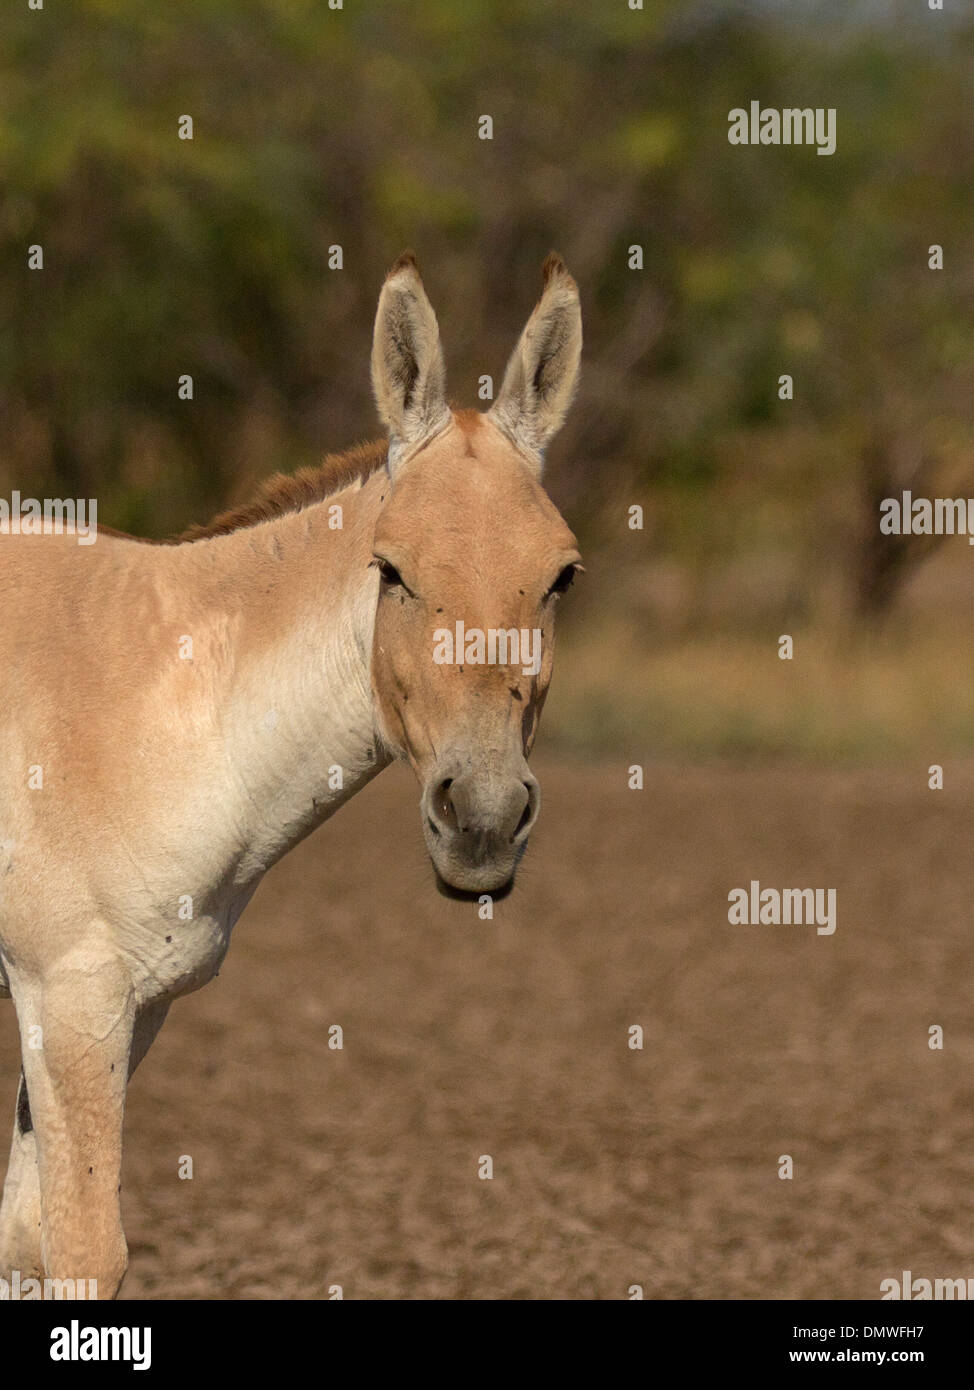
point(611, 1166)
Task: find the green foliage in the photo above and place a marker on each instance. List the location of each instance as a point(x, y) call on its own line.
point(315, 127)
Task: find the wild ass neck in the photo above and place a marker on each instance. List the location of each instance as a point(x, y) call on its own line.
point(298, 598)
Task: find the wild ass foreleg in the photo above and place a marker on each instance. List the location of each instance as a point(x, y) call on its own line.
point(20, 1211)
point(77, 1037)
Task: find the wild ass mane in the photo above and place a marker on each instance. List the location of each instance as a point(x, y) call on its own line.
point(282, 493)
point(292, 492)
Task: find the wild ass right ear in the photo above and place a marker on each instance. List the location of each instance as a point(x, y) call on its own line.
point(408, 373)
point(542, 373)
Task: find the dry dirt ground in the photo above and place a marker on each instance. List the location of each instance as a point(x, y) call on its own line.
point(509, 1038)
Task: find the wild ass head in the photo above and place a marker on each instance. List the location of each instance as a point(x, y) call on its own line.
point(472, 556)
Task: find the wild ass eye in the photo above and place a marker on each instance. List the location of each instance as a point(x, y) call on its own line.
point(564, 580)
point(388, 573)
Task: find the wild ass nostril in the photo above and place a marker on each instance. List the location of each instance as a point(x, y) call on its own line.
point(527, 815)
point(443, 807)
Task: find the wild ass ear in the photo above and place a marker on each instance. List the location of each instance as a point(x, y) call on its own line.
point(542, 374)
point(408, 374)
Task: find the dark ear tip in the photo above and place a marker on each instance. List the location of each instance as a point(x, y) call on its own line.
point(407, 261)
point(553, 265)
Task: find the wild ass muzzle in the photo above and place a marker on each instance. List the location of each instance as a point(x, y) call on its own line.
point(179, 715)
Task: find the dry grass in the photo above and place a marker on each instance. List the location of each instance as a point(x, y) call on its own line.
point(845, 698)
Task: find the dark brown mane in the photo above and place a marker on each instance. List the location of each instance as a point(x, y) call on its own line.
point(281, 493)
point(292, 492)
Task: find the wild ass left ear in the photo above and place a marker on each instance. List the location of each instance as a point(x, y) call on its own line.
point(408, 374)
point(542, 374)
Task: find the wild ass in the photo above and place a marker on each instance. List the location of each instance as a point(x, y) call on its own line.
point(179, 715)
